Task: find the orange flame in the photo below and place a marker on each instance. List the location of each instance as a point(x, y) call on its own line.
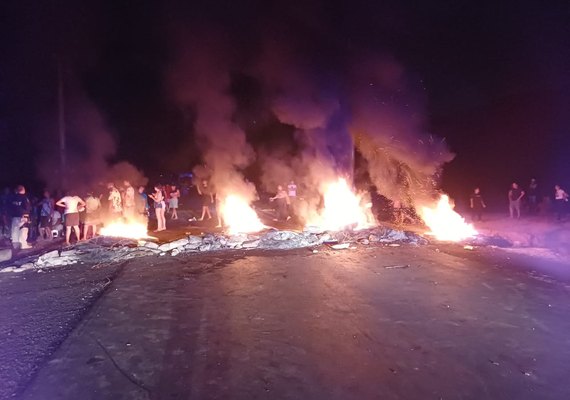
point(342, 209)
point(444, 223)
point(238, 216)
point(130, 230)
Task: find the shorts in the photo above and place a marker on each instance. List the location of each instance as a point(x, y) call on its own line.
point(206, 200)
point(45, 221)
point(159, 204)
point(72, 219)
point(173, 203)
point(92, 218)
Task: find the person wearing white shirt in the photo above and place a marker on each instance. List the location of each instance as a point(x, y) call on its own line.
point(71, 203)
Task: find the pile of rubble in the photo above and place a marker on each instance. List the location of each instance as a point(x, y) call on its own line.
point(106, 250)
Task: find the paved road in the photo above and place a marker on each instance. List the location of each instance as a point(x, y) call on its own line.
point(372, 323)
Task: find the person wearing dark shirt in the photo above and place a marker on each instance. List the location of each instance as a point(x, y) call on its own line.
point(477, 204)
point(4, 220)
point(532, 196)
point(515, 195)
point(207, 196)
point(19, 212)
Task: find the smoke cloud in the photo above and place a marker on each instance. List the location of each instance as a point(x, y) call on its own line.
point(200, 82)
point(367, 103)
point(90, 150)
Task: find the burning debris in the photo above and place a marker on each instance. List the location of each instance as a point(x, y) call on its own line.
point(445, 224)
point(103, 251)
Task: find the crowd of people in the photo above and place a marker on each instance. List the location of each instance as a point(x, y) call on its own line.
point(25, 219)
point(532, 199)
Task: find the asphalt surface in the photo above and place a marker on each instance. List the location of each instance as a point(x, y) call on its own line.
point(432, 322)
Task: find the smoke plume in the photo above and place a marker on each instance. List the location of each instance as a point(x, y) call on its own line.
point(200, 82)
point(90, 150)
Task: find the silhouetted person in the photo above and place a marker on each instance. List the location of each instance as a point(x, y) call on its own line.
point(515, 195)
point(282, 200)
point(560, 201)
point(19, 208)
point(47, 207)
point(477, 204)
point(207, 197)
point(532, 196)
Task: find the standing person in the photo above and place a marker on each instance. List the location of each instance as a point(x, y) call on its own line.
point(56, 224)
point(129, 201)
point(159, 207)
point(72, 203)
point(532, 196)
point(515, 195)
point(173, 201)
point(115, 203)
point(4, 223)
point(47, 207)
point(477, 204)
point(19, 208)
point(292, 193)
point(207, 197)
point(141, 203)
point(166, 194)
point(282, 200)
point(560, 200)
point(92, 215)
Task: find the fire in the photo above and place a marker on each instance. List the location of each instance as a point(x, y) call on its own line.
point(130, 230)
point(445, 223)
point(342, 209)
point(238, 216)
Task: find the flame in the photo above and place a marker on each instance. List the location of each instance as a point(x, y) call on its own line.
point(130, 230)
point(342, 209)
point(238, 216)
point(446, 224)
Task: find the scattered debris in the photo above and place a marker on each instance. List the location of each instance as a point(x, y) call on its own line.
point(102, 251)
point(5, 254)
point(396, 266)
point(468, 247)
point(340, 246)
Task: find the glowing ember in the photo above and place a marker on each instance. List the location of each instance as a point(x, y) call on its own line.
point(343, 209)
point(238, 216)
point(446, 224)
point(131, 230)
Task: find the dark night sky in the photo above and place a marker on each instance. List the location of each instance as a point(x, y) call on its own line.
point(496, 77)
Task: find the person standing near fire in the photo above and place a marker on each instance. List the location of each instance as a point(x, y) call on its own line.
point(19, 208)
point(71, 203)
point(115, 203)
point(129, 201)
point(173, 201)
point(47, 207)
point(560, 202)
point(477, 204)
point(159, 207)
point(283, 202)
point(292, 193)
point(515, 195)
point(207, 197)
point(92, 215)
point(141, 201)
